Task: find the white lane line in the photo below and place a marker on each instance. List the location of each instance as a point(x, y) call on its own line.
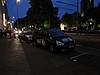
point(77, 56)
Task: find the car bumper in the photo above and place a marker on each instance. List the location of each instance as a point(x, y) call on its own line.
point(65, 47)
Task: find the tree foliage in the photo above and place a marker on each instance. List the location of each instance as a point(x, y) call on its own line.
point(41, 11)
point(69, 19)
point(22, 22)
point(93, 13)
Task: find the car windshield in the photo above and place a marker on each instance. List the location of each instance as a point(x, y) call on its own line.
point(28, 33)
point(56, 32)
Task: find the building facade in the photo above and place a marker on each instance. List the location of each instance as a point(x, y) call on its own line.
point(86, 5)
point(4, 19)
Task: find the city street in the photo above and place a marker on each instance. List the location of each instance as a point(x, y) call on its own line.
point(49, 37)
point(20, 58)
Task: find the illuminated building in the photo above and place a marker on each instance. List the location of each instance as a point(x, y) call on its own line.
point(3, 14)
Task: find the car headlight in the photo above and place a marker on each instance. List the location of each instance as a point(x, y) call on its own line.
point(16, 31)
point(16, 35)
point(59, 43)
point(20, 31)
point(70, 39)
point(27, 36)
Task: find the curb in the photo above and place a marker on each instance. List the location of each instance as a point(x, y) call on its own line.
point(93, 37)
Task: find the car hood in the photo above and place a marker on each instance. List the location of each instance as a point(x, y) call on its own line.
point(64, 39)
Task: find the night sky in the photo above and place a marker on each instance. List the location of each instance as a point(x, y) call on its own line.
point(24, 5)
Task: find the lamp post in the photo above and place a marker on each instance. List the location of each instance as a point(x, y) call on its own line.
point(77, 16)
point(17, 1)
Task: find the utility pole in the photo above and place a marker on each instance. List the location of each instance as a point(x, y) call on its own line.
point(77, 16)
point(17, 1)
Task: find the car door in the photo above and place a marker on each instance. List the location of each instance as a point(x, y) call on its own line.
point(43, 38)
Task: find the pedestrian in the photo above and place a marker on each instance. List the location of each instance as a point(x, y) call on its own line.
point(5, 33)
point(10, 33)
point(1, 33)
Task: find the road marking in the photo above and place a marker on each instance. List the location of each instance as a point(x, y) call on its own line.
point(92, 48)
point(74, 60)
point(77, 56)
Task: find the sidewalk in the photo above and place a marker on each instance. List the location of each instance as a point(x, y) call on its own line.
point(12, 58)
point(93, 37)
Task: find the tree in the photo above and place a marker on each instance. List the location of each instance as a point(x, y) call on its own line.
point(22, 22)
point(93, 13)
point(41, 11)
point(69, 19)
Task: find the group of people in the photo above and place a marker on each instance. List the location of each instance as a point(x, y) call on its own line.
point(3, 34)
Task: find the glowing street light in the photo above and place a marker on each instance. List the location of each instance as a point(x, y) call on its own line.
point(8, 22)
point(17, 1)
point(13, 17)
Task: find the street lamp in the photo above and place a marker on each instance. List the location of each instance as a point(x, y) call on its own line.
point(13, 17)
point(17, 1)
point(77, 16)
point(13, 20)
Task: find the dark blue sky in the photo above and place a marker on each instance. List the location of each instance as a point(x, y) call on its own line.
point(62, 11)
point(22, 8)
point(24, 5)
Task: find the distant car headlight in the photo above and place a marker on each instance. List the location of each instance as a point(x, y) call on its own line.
point(20, 31)
point(59, 43)
point(16, 31)
point(16, 35)
point(27, 36)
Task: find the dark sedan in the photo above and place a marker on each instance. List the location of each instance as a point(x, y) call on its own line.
point(26, 36)
point(54, 39)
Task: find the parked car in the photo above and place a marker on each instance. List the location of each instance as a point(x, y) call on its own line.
point(26, 36)
point(54, 39)
point(16, 32)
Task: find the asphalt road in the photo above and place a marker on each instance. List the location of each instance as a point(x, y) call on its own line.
point(20, 58)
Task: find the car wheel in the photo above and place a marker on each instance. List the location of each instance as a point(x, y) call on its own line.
point(34, 43)
point(43, 43)
point(51, 49)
